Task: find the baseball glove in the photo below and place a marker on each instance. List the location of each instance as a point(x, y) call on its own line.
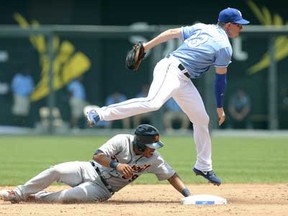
point(135, 56)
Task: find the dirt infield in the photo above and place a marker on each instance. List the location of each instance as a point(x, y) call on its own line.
point(135, 200)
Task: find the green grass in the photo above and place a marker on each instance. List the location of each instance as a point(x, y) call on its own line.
point(235, 159)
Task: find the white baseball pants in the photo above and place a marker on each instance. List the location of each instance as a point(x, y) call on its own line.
point(169, 81)
point(86, 185)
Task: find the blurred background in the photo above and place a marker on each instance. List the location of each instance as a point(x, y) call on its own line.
point(57, 57)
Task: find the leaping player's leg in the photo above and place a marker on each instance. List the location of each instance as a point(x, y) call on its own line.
point(192, 104)
point(162, 86)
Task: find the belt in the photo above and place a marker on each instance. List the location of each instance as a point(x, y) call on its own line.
point(102, 179)
point(182, 68)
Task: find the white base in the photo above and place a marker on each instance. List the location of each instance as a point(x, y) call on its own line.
point(203, 199)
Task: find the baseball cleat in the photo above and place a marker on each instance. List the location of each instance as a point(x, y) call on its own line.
point(92, 117)
point(8, 195)
point(209, 175)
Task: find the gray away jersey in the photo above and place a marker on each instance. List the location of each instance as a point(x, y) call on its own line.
point(204, 45)
point(120, 148)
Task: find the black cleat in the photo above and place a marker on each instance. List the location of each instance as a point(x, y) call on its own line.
point(209, 175)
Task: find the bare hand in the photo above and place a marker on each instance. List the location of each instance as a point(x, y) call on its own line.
point(126, 170)
point(221, 116)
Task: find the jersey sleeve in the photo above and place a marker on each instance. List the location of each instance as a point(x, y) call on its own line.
point(187, 31)
point(223, 57)
point(161, 168)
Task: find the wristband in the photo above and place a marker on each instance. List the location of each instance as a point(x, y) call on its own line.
point(219, 87)
point(113, 164)
point(185, 192)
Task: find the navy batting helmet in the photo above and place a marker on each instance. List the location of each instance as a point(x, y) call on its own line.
point(147, 136)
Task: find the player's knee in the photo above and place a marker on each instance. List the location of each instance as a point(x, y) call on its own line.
point(200, 119)
point(54, 173)
point(154, 106)
point(206, 119)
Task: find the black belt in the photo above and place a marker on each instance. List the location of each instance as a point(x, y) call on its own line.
point(102, 179)
point(182, 68)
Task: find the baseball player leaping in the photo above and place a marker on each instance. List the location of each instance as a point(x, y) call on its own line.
point(115, 164)
point(203, 46)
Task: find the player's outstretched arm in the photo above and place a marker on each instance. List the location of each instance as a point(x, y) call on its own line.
point(179, 185)
point(162, 37)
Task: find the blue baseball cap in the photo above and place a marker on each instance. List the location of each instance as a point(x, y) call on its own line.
point(232, 15)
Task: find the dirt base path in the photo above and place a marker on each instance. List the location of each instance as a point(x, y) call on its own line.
point(163, 200)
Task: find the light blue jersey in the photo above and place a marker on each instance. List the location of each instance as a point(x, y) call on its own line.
point(204, 46)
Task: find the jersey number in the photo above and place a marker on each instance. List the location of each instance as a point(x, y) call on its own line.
point(197, 39)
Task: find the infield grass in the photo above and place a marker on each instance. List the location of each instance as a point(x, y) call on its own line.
point(235, 159)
